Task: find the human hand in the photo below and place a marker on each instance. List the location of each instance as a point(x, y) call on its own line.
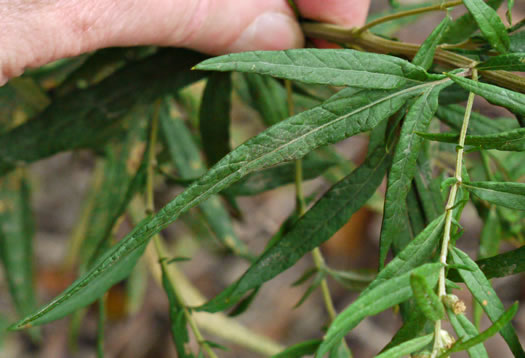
point(37, 32)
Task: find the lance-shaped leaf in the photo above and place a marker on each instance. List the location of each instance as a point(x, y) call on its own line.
point(186, 157)
point(404, 166)
point(121, 165)
point(428, 189)
point(378, 299)
point(265, 94)
point(509, 195)
point(178, 320)
point(508, 62)
point(300, 350)
point(416, 253)
point(489, 23)
point(479, 124)
point(319, 223)
point(461, 28)
point(329, 67)
point(426, 298)
point(483, 336)
point(349, 112)
point(214, 118)
point(506, 264)
point(86, 118)
point(407, 347)
point(513, 140)
point(466, 330)
point(483, 292)
point(499, 96)
point(16, 240)
point(425, 55)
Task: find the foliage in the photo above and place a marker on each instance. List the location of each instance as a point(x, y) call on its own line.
point(129, 108)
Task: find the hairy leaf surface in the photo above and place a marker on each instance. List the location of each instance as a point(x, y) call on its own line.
point(499, 96)
point(489, 23)
point(323, 66)
point(510, 195)
point(509, 141)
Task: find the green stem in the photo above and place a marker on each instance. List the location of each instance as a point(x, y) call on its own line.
point(373, 43)
point(449, 209)
point(150, 207)
point(401, 14)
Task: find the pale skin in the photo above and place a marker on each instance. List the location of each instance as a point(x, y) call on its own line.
point(36, 32)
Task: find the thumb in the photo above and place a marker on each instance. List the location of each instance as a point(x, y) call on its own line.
point(210, 26)
point(221, 26)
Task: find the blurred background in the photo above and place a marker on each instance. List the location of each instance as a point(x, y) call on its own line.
point(137, 309)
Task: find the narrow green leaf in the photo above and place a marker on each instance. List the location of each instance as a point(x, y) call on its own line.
point(214, 120)
point(490, 235)
point(403, 170)
point(299, 350)
point(371, 302)
point(466, 330)
point(407, 347)
point(186, 157)
point(323, 66)
point(509, 195)
point(416, 253)
point(266, 95)
point(179, 329)
point(428, 190)
point(121, 164)
point(425, 55)
point(485, 295)
point(506, 264)
point(348, 113)
point(317, 225)
point(16, 240)
point(489, 23)
point(499, 96)
point(513, 140)
point(415, 215)
point(461, 28)
point(87, 118)
point(479, 124)
point(508, 62)
point(426, 298)
point(483, 336)
point(412, 326)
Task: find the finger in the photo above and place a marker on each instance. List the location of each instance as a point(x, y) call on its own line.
point(348, 13)
point(211, 26)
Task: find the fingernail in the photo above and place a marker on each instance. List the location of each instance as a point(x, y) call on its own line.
point(270, 31)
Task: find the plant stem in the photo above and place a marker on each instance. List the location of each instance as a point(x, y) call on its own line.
point(449, 212)
point(398, 15)
point(301, 209)
point(373, 43)
point(150, 207)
